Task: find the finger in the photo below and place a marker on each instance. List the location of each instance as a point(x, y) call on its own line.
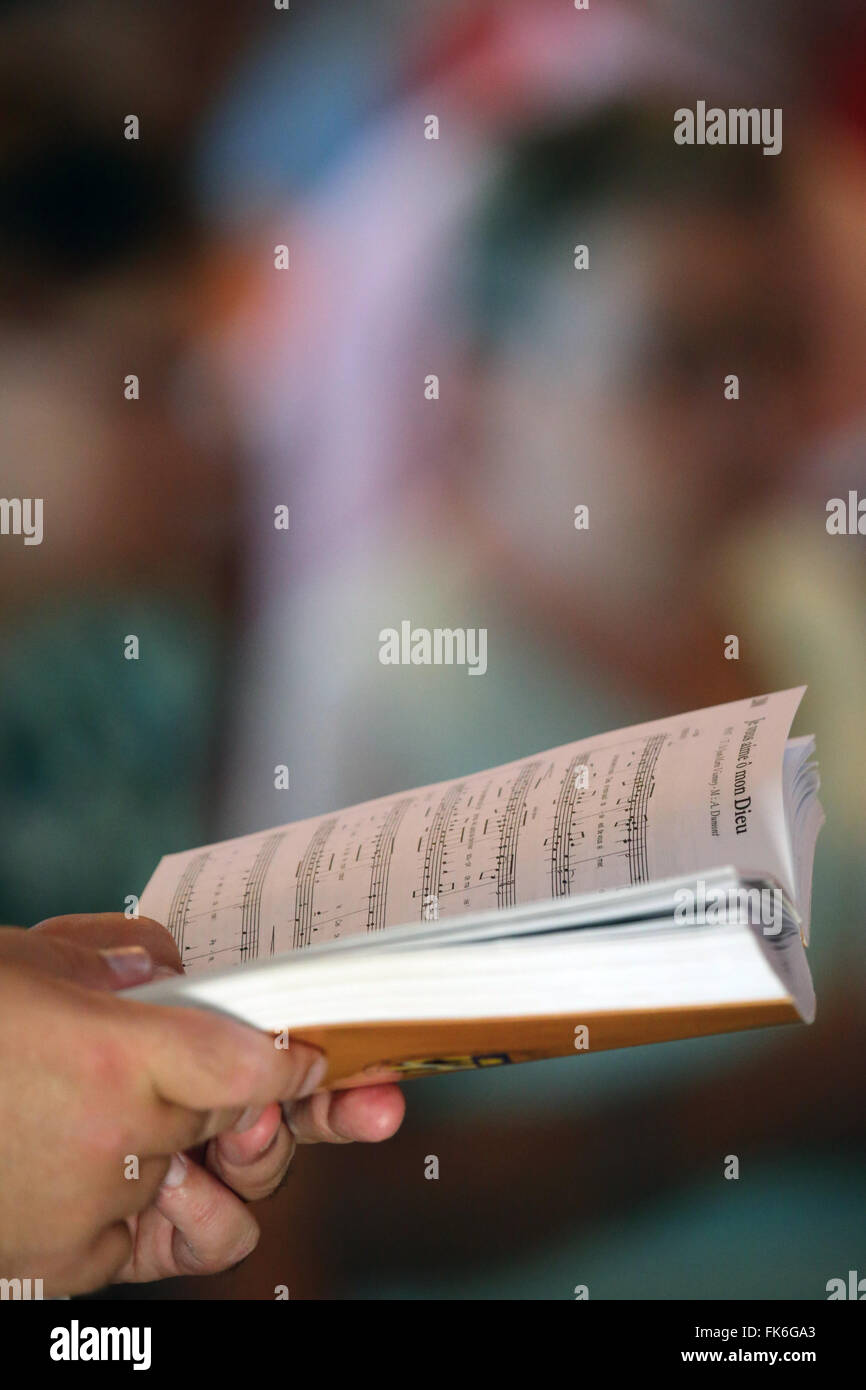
point(368, 1114)
point(113, 930)
point(254, 1159)
point(251, 1135)
point(213, 1230)
point(111, 969)
point(204, 1061)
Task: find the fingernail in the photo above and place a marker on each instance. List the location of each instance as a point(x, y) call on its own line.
point(314, 1077)
point(247, 1118)
point(128, 964)
point(167, 972)
point(176, 1171)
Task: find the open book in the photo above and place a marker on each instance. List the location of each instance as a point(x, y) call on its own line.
point(647, 884)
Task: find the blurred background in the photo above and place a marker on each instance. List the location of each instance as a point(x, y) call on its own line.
point(305, 387)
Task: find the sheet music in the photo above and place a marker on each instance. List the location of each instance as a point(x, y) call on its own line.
point(653, 801)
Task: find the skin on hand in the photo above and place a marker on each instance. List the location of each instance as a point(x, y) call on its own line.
point(103, 1098)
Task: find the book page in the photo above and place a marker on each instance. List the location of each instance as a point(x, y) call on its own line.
point(658, 800)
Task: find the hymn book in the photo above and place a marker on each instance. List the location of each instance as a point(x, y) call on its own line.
point(638, 886)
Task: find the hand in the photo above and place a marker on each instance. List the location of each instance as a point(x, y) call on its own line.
point(200, 1226)
point(100, 1086)
point(101, 951)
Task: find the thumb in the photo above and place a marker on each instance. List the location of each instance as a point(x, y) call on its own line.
point(107, 968)
point(206, 1061)
point(108, 930)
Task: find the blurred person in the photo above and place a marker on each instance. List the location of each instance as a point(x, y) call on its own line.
point(557, 387)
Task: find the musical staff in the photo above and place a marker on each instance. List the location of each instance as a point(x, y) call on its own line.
point(562, 840)
point(308, 870)
point(179, 910)
point(382, 853)
point(435, 845)
point(509, 834)
point(637, 821)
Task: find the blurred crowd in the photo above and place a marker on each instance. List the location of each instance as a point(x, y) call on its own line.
point(304, 387)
